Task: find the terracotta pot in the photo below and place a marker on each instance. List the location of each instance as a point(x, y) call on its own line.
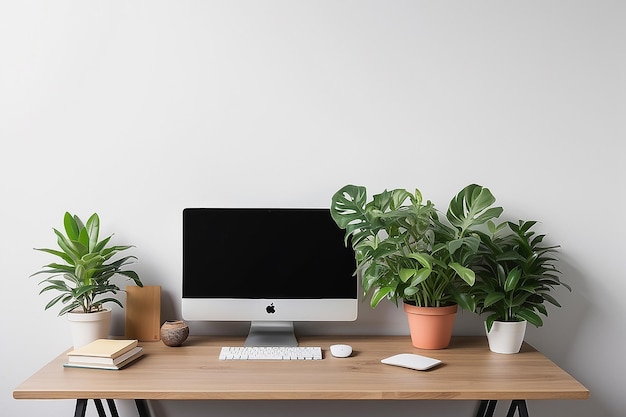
point(87, 327)
point(430, 327)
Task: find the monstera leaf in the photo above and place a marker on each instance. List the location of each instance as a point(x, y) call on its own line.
point(471, 207)
point(348, 211)
point(362, 219)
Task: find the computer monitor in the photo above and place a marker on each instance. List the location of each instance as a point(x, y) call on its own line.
point(269, 266)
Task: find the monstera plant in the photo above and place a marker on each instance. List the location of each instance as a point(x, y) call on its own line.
point(406, 250)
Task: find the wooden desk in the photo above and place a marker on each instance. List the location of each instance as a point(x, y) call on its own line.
point(193, 372)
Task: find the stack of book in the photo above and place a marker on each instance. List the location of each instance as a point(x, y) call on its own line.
point(104, 354)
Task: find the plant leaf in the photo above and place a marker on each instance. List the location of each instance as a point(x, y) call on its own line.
point(466, 274)
point(493, 298)
point(379, 295)
point(421, 276)
point(92, 229)
point(71, 227)
point(512, 279)
point(470, 207)
point(406, 274)
point(530, 317)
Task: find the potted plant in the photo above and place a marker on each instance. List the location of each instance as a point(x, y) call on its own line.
point(84, 275)
point(406, 251)
point(515, 275)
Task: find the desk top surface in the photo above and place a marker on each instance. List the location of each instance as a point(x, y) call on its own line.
point(193, 371)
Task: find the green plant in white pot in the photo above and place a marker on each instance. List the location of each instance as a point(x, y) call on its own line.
point(516, 273)
point(406, 251)
point(82, 276)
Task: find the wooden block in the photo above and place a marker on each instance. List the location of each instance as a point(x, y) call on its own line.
point(143, 313)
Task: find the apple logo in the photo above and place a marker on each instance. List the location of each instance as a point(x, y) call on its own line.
point(270, 309)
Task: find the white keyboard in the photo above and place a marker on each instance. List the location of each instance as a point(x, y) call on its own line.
point(271, 353)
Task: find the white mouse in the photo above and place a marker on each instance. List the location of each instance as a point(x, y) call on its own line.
point(341, 351)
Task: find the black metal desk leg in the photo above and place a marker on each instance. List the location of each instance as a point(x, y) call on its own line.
point(81, 407)
point(486, 409)
point(112, 408)
point(142, 408)
point(99, 407)
point(520, 406)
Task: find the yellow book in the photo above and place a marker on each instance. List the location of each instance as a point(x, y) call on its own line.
point(105, 348)
point(134, 352)
point(112, 366)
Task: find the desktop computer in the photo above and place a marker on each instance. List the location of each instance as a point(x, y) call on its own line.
point(269, 266)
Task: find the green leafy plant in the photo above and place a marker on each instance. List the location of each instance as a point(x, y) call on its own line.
point(87, 268)
point(515, 274)
point(405, 250)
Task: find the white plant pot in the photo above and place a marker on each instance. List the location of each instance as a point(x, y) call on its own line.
point(506, 337)
point(87, 327)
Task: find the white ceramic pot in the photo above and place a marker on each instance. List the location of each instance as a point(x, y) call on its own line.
point(87, 327)
point(506, 336)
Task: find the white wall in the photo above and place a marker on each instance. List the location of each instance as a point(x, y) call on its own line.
point(139, 109)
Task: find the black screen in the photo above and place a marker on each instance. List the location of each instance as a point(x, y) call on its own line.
point(265, 253)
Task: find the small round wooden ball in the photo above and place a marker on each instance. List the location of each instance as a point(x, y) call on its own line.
point(174, 332)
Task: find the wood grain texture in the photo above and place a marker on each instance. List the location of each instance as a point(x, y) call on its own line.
point(143, 313)
point(193, 372)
